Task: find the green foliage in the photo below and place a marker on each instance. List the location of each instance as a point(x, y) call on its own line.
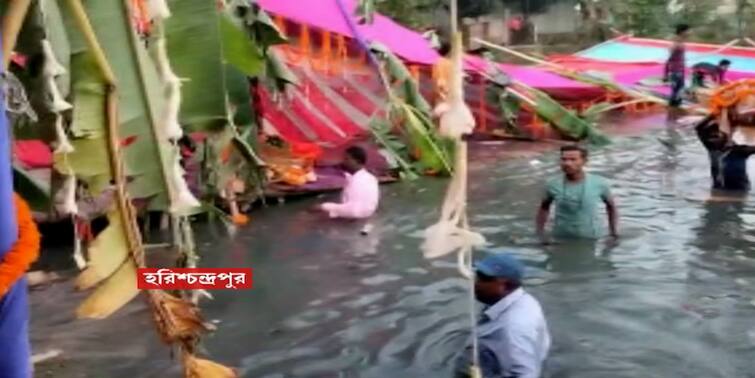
point(33, 191)
point(382, 131)
point(642, 17)
point(408, 110)
point(238, 49)
point(566, 121)
point(195, 52)
point(510, 108)
point(654, 18)
point(140, 95)
point(412, 13)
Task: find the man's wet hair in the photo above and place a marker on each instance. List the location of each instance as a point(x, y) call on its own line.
point(724, 62)
point(575, 147)
point(681, 28)
point(358, 154)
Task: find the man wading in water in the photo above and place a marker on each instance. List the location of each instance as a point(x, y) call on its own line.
point(577, 195)
point(512, 332)
point(361, 194)
point(728, 160)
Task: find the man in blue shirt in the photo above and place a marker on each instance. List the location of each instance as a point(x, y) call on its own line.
point(576, 195)
point(512, 333)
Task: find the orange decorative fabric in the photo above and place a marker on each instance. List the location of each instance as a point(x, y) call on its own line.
point(731, 94)
point(442, 77)
point(25, 251)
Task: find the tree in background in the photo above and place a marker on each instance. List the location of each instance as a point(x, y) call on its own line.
point(421, 14)
point(744, 16)
point(710, 19)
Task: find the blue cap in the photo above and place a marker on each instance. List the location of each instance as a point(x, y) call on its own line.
point(501, 265)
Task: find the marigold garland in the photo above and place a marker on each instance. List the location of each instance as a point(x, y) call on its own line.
point(25, 251)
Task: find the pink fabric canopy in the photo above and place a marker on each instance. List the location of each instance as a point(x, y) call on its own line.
point(411, 45)
point(325, 14)
point(539, 78)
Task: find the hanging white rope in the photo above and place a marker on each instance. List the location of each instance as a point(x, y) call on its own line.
point(451, 233)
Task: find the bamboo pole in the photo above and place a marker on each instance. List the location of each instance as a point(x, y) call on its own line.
point(13, 20)
point(722, 48)
point(127, 213)
point(560, 69)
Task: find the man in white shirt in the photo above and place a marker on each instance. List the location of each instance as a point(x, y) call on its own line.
point(361, 194)
point(512, 332)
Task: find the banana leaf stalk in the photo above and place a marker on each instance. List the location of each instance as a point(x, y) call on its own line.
point(381, 131)
point(565, 120)
point(408, 109)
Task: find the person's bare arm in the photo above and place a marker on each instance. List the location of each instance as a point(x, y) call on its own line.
point(613, 216)
point(542, 216)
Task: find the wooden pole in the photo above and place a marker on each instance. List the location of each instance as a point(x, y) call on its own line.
point(559, 68)
point(13, 20)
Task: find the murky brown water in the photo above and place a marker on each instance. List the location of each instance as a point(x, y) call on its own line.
point(675, 298)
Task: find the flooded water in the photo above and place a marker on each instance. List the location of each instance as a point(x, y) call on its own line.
point(674, 298)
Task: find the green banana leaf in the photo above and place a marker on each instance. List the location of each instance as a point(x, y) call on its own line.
point(140, 94)
point(196, 52)
point(277, 74)
point(238, 49)
point(31, 189)
point(381, 131)
point(593, 112)
point(510, 109)
point(409, 109)
point(262, 29)
point(398, 73)
point(90, 159)
point(237, 85)
point(416, 127)
point(566, 121)
point(43, 21)
point(201, 52)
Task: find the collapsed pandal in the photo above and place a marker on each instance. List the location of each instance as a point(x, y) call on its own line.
point(340, 93)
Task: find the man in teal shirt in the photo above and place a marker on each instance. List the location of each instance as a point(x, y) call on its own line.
point(577, 196)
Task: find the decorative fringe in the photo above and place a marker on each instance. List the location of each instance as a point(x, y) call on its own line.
point(58, 103)
point(70, 207)
point(64, 145)
point(183, 200)
point(173, 130)
point(158, 9)
point(171, 126)
point(450, 233)
point(52, 67)
point(446, 237)
point(456, 119)
point(78, 250)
